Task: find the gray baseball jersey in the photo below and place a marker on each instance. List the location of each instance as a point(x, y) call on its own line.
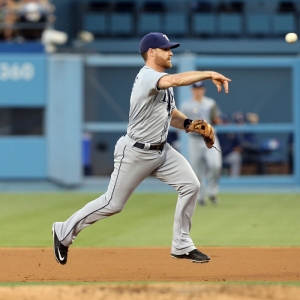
point(207, 163)
point(206, 109)
point(150, 108)
point(150, 116)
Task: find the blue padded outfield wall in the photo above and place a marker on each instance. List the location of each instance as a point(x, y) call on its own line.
point(63, 85)
point(64, 119)
point(23, 80)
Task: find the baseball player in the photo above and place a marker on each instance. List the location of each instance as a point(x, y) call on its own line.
point(143, 151)
point(207, 163)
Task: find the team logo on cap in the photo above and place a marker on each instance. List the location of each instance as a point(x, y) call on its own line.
point(166, 37)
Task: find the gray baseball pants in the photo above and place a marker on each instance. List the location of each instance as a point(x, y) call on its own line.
point(131, 166)
point(234, 159)
point(207, 164)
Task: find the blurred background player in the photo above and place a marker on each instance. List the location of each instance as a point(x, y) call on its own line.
point(34, 12)
point(254, 150)
point(231, 150)
point(25, 19)
point(7, 19)
point(207, 163)
point(251, 148)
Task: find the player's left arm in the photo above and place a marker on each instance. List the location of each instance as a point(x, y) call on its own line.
point(181, 121)
point(178, 119)
point(215, 115)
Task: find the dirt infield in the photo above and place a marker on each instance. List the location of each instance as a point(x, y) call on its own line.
point(151, 292)
point(130, 265)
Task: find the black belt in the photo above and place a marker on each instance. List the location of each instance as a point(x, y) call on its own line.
point(159, 147)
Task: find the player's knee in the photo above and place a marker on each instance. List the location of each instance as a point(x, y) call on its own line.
point(115, 209)
point(191, 185)
point(215, 169)
point(194, 186)
point(237, 157)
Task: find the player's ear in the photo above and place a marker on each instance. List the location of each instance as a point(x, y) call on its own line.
point(151, 52)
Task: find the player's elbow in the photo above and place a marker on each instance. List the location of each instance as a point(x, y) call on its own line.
point(169, 81)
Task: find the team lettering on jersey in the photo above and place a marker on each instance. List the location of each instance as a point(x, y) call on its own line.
point(135, 81)
point(169, 100)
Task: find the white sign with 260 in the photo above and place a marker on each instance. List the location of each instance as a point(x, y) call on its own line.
point(16, 71)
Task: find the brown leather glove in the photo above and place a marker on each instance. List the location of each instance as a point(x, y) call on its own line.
point(204, 129)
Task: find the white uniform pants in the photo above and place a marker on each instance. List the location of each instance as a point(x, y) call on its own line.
point(131, 167)
point(234, 159)
point(207, 164)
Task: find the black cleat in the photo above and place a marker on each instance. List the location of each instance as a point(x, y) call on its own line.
point(202, 202)
point(195, 256)
point(214, 200)
point(60, 250)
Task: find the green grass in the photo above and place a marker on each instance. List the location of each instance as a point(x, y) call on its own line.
point(143, 283)
point(147, 220)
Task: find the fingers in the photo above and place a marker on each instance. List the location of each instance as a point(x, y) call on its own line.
point(221, 80)
point(226, 86)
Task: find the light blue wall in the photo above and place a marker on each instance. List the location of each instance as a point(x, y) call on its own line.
point(58, 155)
point(296, 118)
point(23, 158)
point(23, 84)
point(55, 84)
point(23, 80)
point(64, 119)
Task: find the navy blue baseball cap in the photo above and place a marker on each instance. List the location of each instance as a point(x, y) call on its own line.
point(198, 84)
point(239, 117)
point(156, 40)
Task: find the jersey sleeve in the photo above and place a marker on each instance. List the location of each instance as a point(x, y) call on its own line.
point(151, 79)
point(215, 112)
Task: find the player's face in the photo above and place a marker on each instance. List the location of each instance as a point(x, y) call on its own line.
point(162, 57)
point(198, 92)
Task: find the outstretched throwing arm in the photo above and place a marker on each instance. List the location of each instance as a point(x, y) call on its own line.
point(188, 78)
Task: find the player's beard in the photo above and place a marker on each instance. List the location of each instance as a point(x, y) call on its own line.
point(163, 63)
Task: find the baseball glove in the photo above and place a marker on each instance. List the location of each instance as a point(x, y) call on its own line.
point(204, 129)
